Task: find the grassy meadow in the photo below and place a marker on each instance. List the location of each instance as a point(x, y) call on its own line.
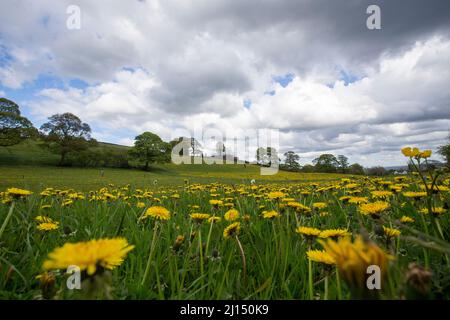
point(210, 232)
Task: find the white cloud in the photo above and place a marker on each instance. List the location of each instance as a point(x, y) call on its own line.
point(162, 66)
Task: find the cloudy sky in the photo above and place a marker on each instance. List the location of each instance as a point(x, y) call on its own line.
point(311, 69)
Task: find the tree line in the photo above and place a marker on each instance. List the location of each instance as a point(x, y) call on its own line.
point(66, 135)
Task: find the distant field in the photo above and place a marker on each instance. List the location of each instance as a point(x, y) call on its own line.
point(29, 166)
point(38, 177)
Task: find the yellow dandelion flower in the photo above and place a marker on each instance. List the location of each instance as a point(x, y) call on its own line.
point(374, 208)
point(319, 205)
point(391, 232)
point(199, 217)
point(157, 212)
point(358, 200)
point(231, 215)
point(140, 205)
point(307, 231)
point(89, 255)
point(215, 203)
point(406, 219)
point(414, 195)
point(334, 233)
point(270, 214)
point(276, 195)
point(214, 219)
point(320, 256)
point(18, 193)
point(353, 258)
point(232, 230)
point(409, 152)
point(381, 194)
point(436, 211)
point(48, 226)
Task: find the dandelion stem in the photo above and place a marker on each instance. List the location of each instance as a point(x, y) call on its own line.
point(338, 286)
point(310, 280)
point(8, 217)
point(244, 262)
point(149, 261)
point(200, 248)
point(325, 295)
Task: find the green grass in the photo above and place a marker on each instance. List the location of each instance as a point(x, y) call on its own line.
point(207, 266)
point(29, 166)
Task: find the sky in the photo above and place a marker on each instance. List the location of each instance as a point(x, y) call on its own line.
point(311, 70)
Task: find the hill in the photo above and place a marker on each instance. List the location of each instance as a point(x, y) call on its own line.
point(27, 165)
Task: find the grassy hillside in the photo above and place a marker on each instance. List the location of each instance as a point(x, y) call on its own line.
point(29, 166)
point(30, 153)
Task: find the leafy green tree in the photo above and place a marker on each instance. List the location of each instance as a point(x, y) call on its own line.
point(291, 160)
point(65, 134)
point(356, 168)
point(326, 163)
point(342, 163)
point(267, 156)
point(14, 128)
point(149, 147)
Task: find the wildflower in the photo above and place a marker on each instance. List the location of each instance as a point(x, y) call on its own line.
point(270, 214)
point(436, 211)
point(178, 242)
point(391, 232)
point(45, 206)
point(232, 230)
point(415, 195)
point(374, 209)
point(276, 195)
point(308, 232)
point(352, 260)
point(381, 194)
point(48, 226)
point(18, 193)
point(408, 152)
point(199, 217)
point(357, 200)
point(214, 219)
point(89, 256)
point(215, 203)
point(333, 233)
point(231, 215)
point(319, 205)
point(47, 282)
point(320, 256)
point(67, 202)
point(140, 205)
point(157, 212)
point(406, 219)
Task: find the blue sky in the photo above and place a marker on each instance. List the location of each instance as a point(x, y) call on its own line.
point(326, 82)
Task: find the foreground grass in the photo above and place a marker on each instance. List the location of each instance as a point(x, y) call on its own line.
point(207, 266)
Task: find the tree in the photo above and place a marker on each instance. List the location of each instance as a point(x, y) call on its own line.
point(266, 156)
point(195, 147)
point(326, 163)
point(14, 128)
point(444, 151)
point(261, 153)
point(221, 151)
point(377, 171)
point(149, 147)
point(291, 160)
point(356, 168)
point(65, 133)
point(342, 163)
